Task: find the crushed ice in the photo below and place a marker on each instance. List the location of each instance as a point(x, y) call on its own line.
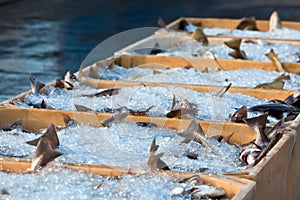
point(127, 145)
point(254, 51)
point(209, 106)
point(52, 183)
point(239, 78)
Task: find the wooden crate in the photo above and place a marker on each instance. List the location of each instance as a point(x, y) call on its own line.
point(167, 41)
point(274, 175)
point(262, 25)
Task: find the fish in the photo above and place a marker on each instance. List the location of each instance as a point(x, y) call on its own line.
point(186, 110)
point(154, 161)
point(36, 86)
point(250, 155)
point(274, 109)
point(187, 26)
point(105, 93)
point(222, 91)
point(194, 132)
point(273, 57)
point(119, 117)
point(264, 152)
point(248, 23)
point(274, 22)
point(199, 36)
point(235, 44)
point(207, 191)
point(44, 153)
point(258, 124)
point(50, 137)
point(239, 115)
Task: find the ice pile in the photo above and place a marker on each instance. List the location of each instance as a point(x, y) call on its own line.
point(254, 51)
point(283, 33)
point(143, 97)
point(66, 184)
point(239, 78)
point(127, 145)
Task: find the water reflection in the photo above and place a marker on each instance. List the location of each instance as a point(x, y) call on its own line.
point(48, 42)
point(29, 47)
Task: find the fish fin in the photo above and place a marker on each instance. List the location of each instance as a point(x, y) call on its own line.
point(108, 92)
point(173, 102)
point(33, 142)
point(222, 91)
point(81, 108)
point(36, 86)
point(258, 124)
point(239, 115)
point(119, 117)
point(199, 36)
point(66, 118)
point(277, 84)
point(50, 135)
point(248, 23)
point(277, 127)
point(155, 162)
point(17, 125)
point(234, 44)
point(273, 57)
point(274, 21)
point(227, 138)
point(154, 146)
point(43, 154)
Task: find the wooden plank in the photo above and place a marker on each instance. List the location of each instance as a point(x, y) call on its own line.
point(257, 93)
point(152, 61)
point(35, 119)
point(262, 25)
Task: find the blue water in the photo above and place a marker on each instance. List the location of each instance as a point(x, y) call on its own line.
point(49, 38)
